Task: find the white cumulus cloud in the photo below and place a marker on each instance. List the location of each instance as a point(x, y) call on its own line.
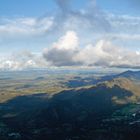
point(62, 52)
point(104, 53)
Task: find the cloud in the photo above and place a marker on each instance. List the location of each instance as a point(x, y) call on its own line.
point(69, 41)
point(88, 21)
point(86, 37)
point(62, 52)
point(66, 52)
point(90, 18)
point(102, 54)
point(124, 23)
point(22, 60)
point(20, 27)
point(106, 54)
point(64, 5)
point(92, 23)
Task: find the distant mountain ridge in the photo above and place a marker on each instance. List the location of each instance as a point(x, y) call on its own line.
point(130, 74)
point(127, 74)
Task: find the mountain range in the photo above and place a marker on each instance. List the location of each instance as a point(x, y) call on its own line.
point(108, 109)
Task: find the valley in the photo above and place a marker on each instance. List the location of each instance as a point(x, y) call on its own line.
point(69, 105)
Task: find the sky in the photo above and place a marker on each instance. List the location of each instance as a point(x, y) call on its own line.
point(69, 33)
